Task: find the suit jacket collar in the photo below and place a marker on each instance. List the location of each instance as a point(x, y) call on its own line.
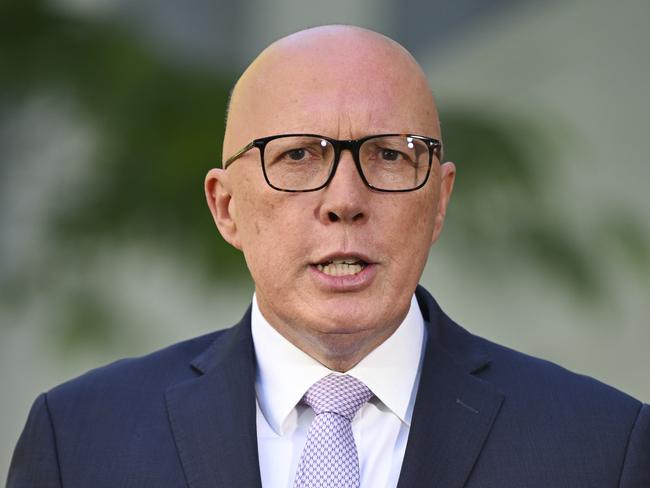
point(213, 416)
point(454, 409)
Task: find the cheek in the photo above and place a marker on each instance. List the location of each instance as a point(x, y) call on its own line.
point(268, 229)
point(255, 211)
point(412, 230)
point(415, 215)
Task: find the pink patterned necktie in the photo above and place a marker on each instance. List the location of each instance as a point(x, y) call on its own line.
point(330, 459)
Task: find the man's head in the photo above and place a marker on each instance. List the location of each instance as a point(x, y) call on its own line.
point(342, 83)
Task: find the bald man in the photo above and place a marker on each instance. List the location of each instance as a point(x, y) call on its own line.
point(343, 372)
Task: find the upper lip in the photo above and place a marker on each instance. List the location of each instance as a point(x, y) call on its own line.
point(350, 257)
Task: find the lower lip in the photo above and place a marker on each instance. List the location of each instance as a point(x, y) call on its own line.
point(353, 282)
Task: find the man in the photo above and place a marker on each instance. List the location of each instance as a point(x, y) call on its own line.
point(343, 372)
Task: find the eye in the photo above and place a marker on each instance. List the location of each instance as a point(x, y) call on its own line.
point(389, 154)
point(296, 154)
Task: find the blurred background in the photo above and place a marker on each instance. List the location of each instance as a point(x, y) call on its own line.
point(112, 111)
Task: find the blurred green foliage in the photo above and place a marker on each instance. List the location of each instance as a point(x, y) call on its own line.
point(500, 207)
point(160, 127)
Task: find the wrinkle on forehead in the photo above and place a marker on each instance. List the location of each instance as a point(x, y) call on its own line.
point(353, 69)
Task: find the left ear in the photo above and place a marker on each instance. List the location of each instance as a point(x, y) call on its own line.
point(447, 177)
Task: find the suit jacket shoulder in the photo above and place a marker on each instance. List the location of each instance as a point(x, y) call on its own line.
point(112, 426)
point(155, 370)
point(542, 424)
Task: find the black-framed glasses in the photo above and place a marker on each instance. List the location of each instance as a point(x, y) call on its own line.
point(308, 162)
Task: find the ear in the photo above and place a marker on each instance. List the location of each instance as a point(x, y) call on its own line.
point(447, 177)
point(218, 192)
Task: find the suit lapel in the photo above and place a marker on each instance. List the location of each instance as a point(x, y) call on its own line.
point(213, 416)
point(454, 410)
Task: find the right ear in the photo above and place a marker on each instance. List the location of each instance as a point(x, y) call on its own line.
point(218, 192)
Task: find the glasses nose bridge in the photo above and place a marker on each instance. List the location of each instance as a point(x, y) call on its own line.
point(347, 145)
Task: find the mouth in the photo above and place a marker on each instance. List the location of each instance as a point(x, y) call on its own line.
point(342, 265)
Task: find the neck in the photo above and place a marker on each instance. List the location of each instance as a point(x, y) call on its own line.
point(338, 352)
point(337, 345)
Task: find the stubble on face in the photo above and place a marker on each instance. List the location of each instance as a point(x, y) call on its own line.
point(345, 83)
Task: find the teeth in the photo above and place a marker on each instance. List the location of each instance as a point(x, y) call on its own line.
point(339, 267)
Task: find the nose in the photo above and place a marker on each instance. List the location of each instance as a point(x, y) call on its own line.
point(346, 197)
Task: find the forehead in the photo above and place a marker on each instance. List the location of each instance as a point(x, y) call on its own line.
point(335, 90)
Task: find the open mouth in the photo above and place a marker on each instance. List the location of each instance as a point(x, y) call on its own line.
point(342, 267)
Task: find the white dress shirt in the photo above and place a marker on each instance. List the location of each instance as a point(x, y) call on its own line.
point(380, 428)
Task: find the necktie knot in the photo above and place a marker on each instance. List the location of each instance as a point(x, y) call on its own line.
point(340, 394)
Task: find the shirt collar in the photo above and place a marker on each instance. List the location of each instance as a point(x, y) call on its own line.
point(284, 372)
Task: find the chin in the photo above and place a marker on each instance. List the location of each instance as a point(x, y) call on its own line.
point(347, 320)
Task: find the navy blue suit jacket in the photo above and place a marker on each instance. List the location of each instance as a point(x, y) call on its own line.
point(485, 416)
